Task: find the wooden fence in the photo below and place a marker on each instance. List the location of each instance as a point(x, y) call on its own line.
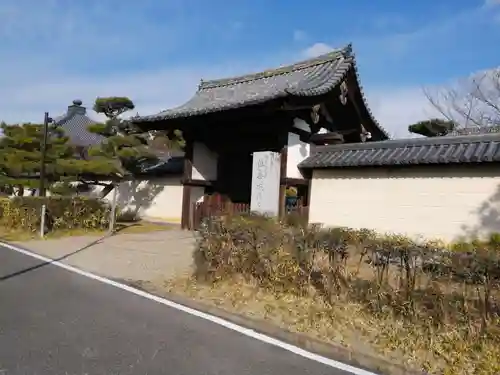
point(216, 205)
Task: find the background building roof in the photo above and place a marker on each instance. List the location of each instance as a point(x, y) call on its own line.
point(75, 123)
point(484, 148)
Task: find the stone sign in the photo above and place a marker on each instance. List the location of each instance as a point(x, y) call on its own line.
point(265, 197)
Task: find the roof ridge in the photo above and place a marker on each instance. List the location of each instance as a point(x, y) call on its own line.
point(412, 142)
point(287, 69)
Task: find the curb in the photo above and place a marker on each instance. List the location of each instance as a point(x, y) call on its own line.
point(336, 352)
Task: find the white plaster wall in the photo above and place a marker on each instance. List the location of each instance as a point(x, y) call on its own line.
point(435, 202)
point(297, 151)
point(302, 125)
point(204, 163)
point(155, 199)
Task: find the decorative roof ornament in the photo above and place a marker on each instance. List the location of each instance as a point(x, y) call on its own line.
point(348, 49)
point(343, 93)
point(315, 113)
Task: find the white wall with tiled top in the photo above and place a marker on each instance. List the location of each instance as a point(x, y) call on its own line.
point(434, 202)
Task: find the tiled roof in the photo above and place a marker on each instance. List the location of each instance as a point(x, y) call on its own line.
point(476, 130)
point(308, 78)
point(484, 148)
point(75, 124)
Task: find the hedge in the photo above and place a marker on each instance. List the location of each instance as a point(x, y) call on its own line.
point(445, 289)
point(61, 213)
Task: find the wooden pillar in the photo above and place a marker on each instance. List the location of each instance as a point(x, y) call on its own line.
point(284, 158)
point(186, 189)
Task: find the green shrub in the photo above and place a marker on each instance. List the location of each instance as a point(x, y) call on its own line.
point(62, 213)
point(128, 216)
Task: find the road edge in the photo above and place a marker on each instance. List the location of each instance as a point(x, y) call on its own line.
point(330, 355)
point(357, 359)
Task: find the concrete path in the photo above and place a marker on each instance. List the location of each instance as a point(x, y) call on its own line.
point(141, 256)
point(53, 321)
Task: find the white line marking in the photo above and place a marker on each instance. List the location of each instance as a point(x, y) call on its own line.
point(214, 319)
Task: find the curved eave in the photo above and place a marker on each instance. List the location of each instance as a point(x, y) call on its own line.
point(317, 84)
point(367, 113)
point(324, 80)
point(180, 112)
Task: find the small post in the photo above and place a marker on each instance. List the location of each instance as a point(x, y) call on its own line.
point(42, 187)
point(42, 221)
point(112, 219)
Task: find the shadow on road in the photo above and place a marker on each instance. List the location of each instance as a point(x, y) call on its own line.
point(43, 264)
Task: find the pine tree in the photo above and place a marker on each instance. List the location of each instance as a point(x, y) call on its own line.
point(432, 128)
point(124, 142)
point(20, 155)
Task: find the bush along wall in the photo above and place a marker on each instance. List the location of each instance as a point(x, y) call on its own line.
point(449, 294)
point(24, 213)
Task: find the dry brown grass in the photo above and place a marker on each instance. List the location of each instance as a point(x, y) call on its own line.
point(439, 351)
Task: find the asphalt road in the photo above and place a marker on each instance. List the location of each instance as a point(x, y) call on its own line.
point(56, 322)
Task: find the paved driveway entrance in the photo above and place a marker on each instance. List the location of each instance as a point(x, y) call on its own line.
point(141, 256)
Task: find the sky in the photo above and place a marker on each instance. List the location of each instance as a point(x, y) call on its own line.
point(156, 52)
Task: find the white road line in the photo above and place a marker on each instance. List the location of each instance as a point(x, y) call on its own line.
point(214, 319)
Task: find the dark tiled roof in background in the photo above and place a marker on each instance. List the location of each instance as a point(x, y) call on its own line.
point(308, 78)
point(75, 124)
point(483, 148)
point(168, 162)
point(172, 166)
point(476, 130)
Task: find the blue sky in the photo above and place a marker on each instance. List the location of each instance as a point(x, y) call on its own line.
point(53, 51)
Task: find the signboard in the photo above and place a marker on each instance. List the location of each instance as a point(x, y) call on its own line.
point(265, 198)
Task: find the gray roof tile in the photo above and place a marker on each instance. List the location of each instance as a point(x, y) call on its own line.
point(308, 78)
point(76, 127)
point(484, 148)
point(171, 166)
point(476, 130)
point(75, 124)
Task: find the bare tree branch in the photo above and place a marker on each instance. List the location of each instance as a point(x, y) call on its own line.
point(469, 103)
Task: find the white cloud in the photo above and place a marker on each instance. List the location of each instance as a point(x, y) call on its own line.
point(299, 35)
point(316, 50)
point(38, 76)
point(491, 2)
point(395, 108)
point(151, 91)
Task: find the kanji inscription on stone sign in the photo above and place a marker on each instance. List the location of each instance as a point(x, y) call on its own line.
point(265, 183)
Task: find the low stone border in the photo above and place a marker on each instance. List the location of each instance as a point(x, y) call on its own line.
point(336, 352)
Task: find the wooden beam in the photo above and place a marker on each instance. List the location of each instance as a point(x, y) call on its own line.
point(195, 182)
point(283, 160)
point(186, 189)
point(295, 181)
